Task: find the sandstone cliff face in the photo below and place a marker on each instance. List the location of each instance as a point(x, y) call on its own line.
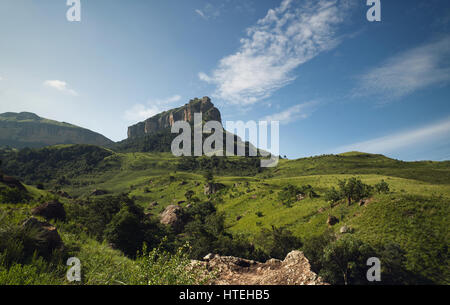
point(293, 270)
point(166, 119)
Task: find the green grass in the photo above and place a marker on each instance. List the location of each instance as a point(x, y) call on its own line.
point(415, 214)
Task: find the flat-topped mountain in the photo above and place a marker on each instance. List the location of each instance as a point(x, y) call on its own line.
point(26, 129)
point(165, 120)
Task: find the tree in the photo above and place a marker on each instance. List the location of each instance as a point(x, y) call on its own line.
point(332, 196)
point(209, 177)
point(354, 189)
point(382, 187)
point(125, 232)
point(344, 261)
point(277, 242)
point(189, 194)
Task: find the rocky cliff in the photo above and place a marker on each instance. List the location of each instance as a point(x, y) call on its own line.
point(165, 120)
point(27, 129)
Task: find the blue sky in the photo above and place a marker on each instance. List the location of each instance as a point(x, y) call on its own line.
point(335, 81)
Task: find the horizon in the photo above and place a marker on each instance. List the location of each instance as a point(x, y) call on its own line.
point(336, 82)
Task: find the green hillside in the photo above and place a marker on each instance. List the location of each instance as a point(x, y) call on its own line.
point(413, 214)
point(27, 129)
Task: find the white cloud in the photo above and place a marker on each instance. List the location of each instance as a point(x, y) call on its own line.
point(60, 86)
point(294, 113)
point(284, 39)
point(407, 72)
point(210, 11)
point(397, 141)
point(141, 112)
point(201, 13)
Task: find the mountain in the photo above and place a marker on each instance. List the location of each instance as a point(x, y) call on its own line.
point(154, 134)
point(27, 129)
point(165, 120)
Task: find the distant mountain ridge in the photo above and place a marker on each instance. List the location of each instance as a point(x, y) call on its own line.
point(26, 129)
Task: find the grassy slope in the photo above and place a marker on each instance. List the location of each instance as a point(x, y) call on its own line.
point(415, 214)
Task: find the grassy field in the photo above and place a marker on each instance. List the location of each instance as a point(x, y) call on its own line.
point(414, 214)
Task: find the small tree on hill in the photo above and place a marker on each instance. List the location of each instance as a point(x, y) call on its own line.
point(354, 189)
point(332, 196)
point(209, 177)
point(382, 187)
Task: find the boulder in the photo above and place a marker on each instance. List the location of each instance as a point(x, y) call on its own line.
point(11, 182)
point(50, 210)
point(345, 229)
point(173, 217)
point(228, 270)
point(332, 220)
point(212, 188)
point(300, 197)
point(63, 194)
point(49, 234)
point(99, 192)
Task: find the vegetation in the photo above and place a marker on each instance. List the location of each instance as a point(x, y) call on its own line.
point(258, 214)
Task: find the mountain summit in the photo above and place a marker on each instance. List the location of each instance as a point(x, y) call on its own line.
point(26, 129)
point(165, 120)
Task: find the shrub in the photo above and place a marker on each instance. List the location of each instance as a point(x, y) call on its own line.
point(332, 195)
point(354, 189)
point(382, 187)
point(160, 267)
point(344, 261)
point(277, 242)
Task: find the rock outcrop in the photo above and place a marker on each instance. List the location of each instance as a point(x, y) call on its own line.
point(293, 270)
point(11, 182)
point(173, 217)
point(165, 120)
point(212, 188)
point(49, 235)
point(50, 210)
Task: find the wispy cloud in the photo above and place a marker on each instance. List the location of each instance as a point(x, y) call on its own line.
point(397, 141)
point(141, 112)
point(60, 86)
point(210, 11)
point(287, 37)
point(408, 72)
point(292, 114)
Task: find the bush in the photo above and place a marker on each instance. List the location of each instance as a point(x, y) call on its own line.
point(332, 195)
point(354, 189)
point(13, 195)
point(125, 231)
point(277, 242)
point(382, 187)
point(344, 261)
point(160, 267)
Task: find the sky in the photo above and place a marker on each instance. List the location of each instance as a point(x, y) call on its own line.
point(334, 80)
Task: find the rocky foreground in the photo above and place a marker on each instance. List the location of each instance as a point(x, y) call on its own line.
point(228, 270)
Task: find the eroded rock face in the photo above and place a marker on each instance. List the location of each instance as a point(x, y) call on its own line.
point(332, 220)
point(50, 210)
point(212, 188)
point(11, 182)
point(49, 234)
point(173, 216)
point(293, 270)
point(166, 119)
